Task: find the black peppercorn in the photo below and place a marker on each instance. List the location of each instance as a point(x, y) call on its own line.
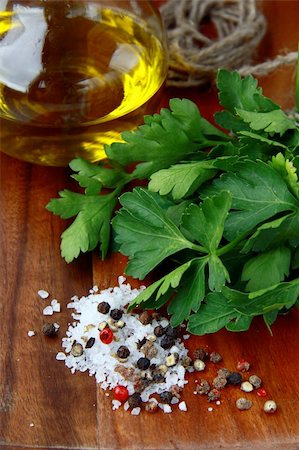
point(49, 329)
point(213, 395)
point(159, 331)
point(141, 384)
point(90, 342)
point(140, 343)
point(103, 307)
point(116, 314)
point(171, 332)
point(202, 387)
point(215, 357)
point(234, 378)
point(200, 353)
point(143, 363)
point(158, 377)
point(145, 318)
point(166, 342)
point(123, 352)
point(134, 400)
point(166, 397)
point(223, 372)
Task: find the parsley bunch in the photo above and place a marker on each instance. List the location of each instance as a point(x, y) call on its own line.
point(221, 209)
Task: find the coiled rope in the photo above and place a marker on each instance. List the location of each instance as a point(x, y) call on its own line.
point(237, 27)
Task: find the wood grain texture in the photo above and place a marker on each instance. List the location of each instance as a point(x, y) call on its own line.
point(34, 388)
point(69, 411)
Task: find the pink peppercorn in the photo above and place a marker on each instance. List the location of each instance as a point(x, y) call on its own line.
point(243, 365)
point(261, 392)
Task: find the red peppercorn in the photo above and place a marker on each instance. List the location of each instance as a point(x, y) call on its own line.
point(106, 336)
point(243, 365)
point(261, 392)
point(121, 393)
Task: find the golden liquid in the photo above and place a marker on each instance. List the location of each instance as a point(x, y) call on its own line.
point(71, 82)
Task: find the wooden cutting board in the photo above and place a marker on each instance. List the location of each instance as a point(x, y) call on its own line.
point(44, 406)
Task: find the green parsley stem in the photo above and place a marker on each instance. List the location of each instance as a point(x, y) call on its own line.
point(199, 248)
point(231, 245)
point(207, 143)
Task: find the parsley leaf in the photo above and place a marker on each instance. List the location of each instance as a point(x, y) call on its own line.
point(190, 294)
point(95, 176)
point(241, 322)
point(282, 295)
point(165, 139)
point(288, 172)
point(258, 193)
point(184, 179)
point(205, 223)
point(243, 93)
point(144, 231)
point(181, 179)
point(273, 264)
point(276, 232)
point(272, 121)
point(91, 226)
point(162, 287)
point(215, 314)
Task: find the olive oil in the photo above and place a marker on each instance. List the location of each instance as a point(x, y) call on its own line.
point(73, 76)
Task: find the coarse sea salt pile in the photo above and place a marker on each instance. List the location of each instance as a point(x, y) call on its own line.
point(148, 387)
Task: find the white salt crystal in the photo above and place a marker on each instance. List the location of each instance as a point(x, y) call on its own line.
point(55, 306)
point(60, 356)
point(183, 406)
point(174, 349)
point(43, 294)
point(136, 411)
point(121, 279)
point(167, 409)
point(186, 336)
point(210, 409)
point(48, 311)
point(57, 326)
point(115, 404)
point(126, 406)
point(31, 424)
point(218, 402)
point(174, 400)
point(31, 333)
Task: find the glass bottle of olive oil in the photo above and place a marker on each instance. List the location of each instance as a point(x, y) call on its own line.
point(75, 74)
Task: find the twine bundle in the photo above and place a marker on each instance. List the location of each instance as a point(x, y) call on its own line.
point(194, 57)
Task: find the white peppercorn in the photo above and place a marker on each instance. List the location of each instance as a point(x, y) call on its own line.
point(255, 381)
point(219, 382)
point(246, 386)
point(215, 357)
point(77, 349)
point(199, 365)
point(243, 404)
point(270, 406)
